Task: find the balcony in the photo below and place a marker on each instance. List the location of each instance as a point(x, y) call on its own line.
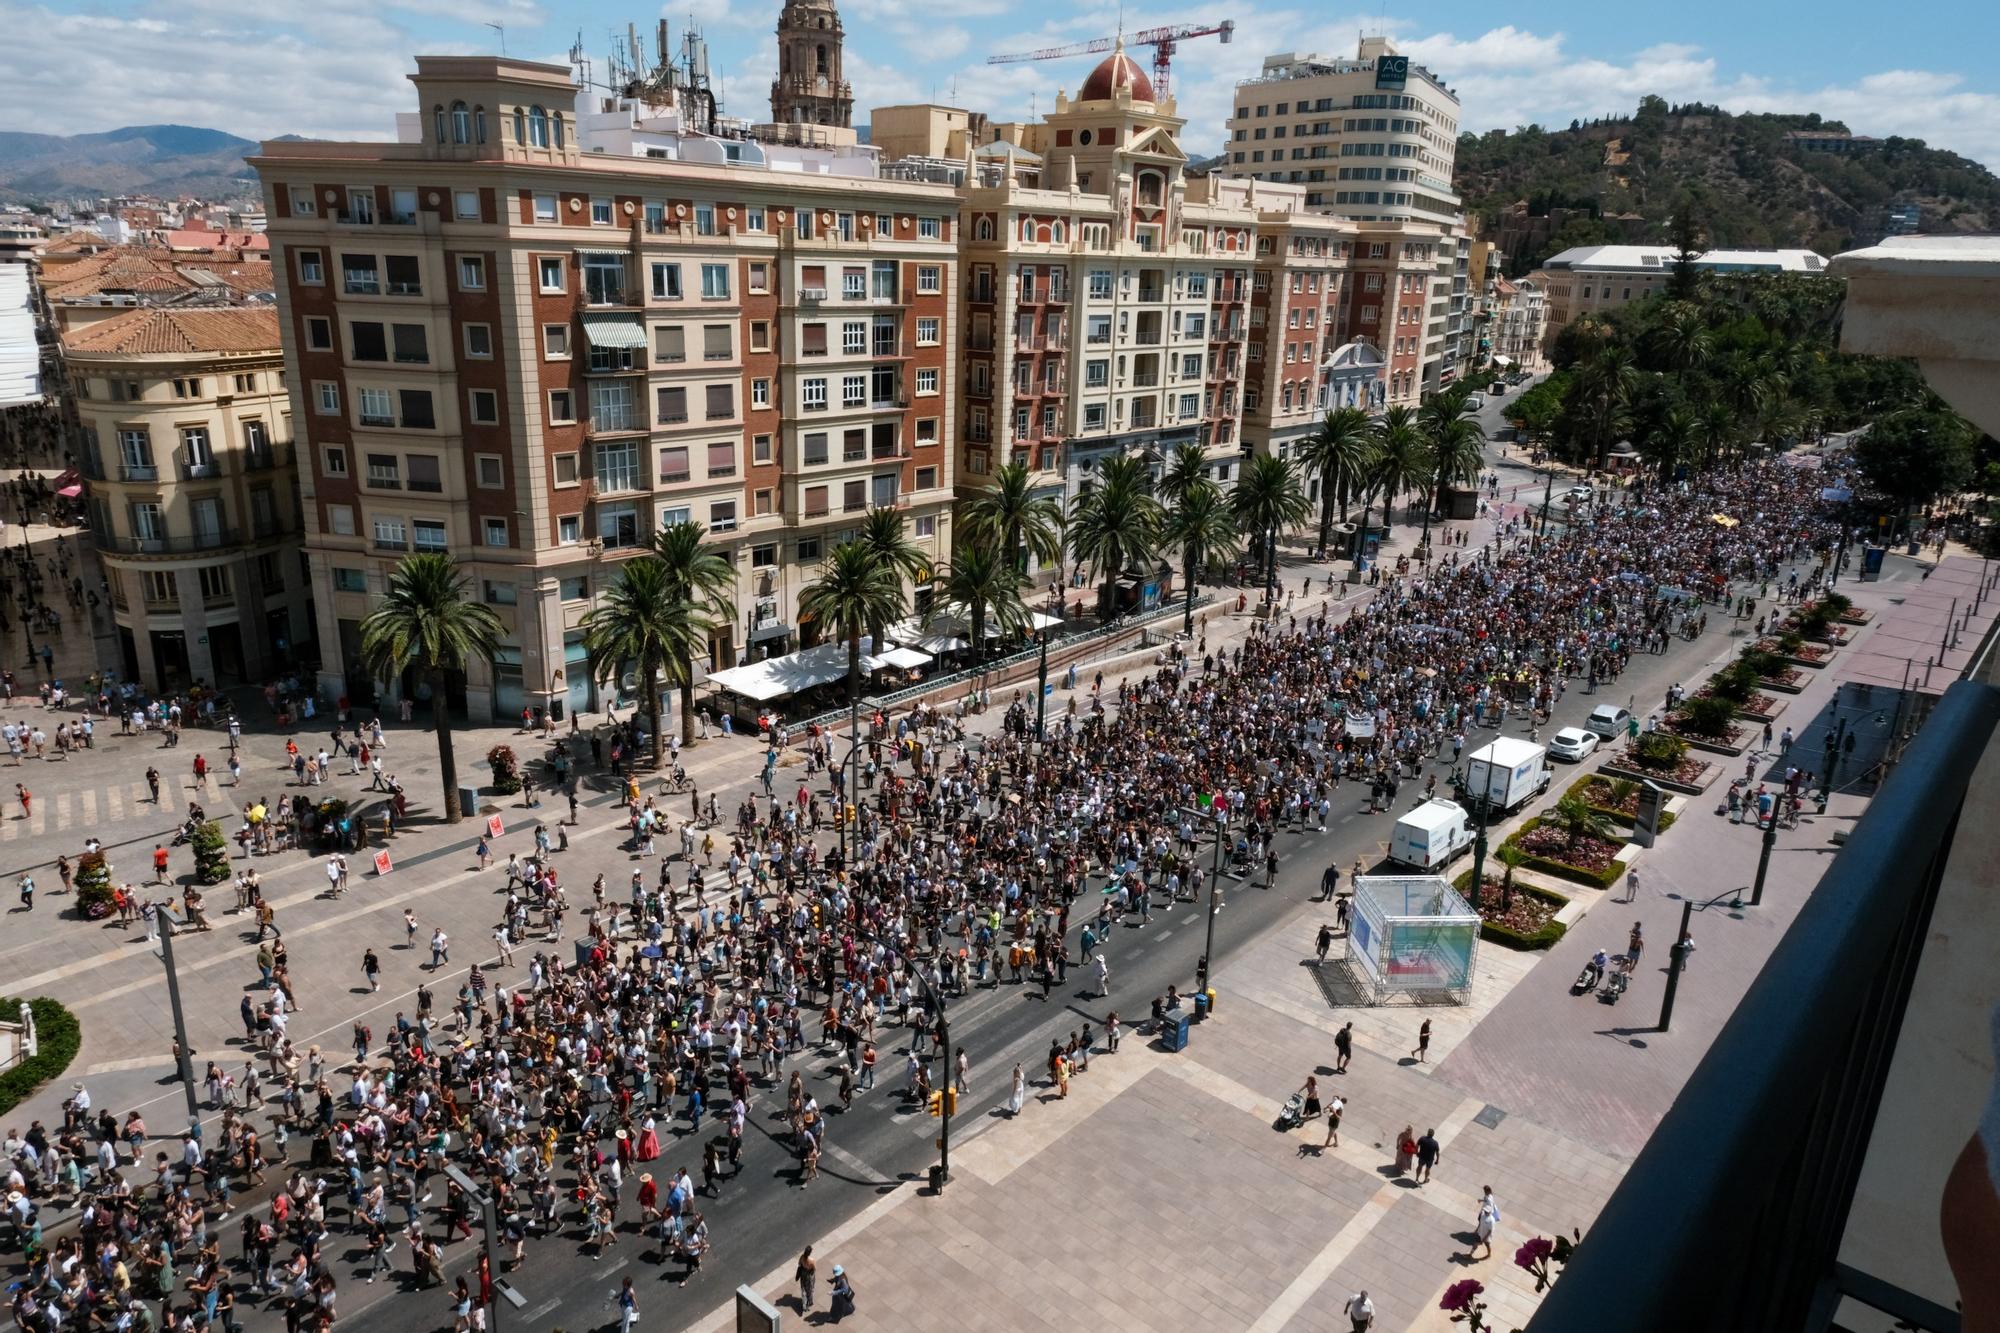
point(260, 460)
point(1058, 296)
point(201, 541)
point(811, 295)
point(205, 470)
point(1152, 295)
point(138, 472)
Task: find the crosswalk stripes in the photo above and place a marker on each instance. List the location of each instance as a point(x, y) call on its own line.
point(77, 811)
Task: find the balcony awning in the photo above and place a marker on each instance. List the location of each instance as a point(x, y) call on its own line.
point(620, 331)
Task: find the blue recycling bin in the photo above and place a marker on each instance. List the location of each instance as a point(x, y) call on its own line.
point(1174, 1032)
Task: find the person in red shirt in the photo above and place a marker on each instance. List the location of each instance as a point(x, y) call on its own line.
point(200, 771)
point(160, 863)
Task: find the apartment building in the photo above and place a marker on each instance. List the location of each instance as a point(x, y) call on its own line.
point(1107, 306)
point(192, 494)
point(1299, 364)
point(1374, 140)
point(546, 322)
point(1515, 310)
point(1593, 279)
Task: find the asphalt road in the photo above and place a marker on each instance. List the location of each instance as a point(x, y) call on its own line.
point(765, 1216)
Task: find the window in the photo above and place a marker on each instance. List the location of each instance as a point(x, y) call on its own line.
point(358, 275)
point(930, 229)
point(1096, 374)
point(802, 221)
point(360, 205)
point(485, 407)
point(499, 594)
point(854, 338)
point(479, 341)
point(760, 277)
point(764, 557)
point(853, 496)
point(403, 274)
point(671, 405)
point(334, 461)
point(545, 208)
point(853, 390)
point(722, 516)
point(389, 534)
point(304, 203)
point(538, 127)
point(670, 343)
point(416, 405)
point(366, 339)
point(429, 535)
point(715, 282)
point(930, 279)
point(760, 449)
point(465, 205)
point(403, 207)
point(385, 472)
point(562, 407)
point(760, 393)
point(574, 589)
point(882, 279)
point(349, 580)
point(604, 279)
point(812, 449)
point(340, 520)
point(555, 342)
point(927, 480)
point(613, 406)
point(816, 504)
point(666, 282)
point(1093, 416)
point(674, 464)
point(813, 393)
point(722, 459)
point(753, 219)
point(883, 488)
point(1100, 284)
point(927, 380)
point(927, 332)
point(550, 270)
point(319, 333)
point(412, 344)
point(760, 335)
point(618, 466)
point(566, 473)
point(854, 284)
point(704, 219)
point(569, 529)
point(471, 273)
point(312, 268)
point(721, 402)
point(674, 515)
point(489, 471)
point(716, 343)
point(376, 408)
point(600, 212)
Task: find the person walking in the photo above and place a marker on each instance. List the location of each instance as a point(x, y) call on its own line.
point(1482, 1227)
point(1422, 1053)
point(1324, 942)
point(1360, 1312)
point(409, 929)
point(807, 1276)
point(440, 948)
point(628, 1307)
point(843, 1294)
point(371, 967)
point(1428, 1153)
point(1334, 1110)
point(1343, 1043)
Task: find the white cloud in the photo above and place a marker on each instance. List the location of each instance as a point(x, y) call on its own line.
point(510, 14)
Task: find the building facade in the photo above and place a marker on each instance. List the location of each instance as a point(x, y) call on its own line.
point(1299, 364)
point(1592, 279)
point(1107, 306)
point(192, 492)
point(546, 323)
point(1515, 311)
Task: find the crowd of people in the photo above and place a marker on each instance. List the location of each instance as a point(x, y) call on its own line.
point(564, 1083)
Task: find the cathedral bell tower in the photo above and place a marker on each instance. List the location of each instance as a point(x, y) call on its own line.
point(809, 89)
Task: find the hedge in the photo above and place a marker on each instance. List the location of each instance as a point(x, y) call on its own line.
point(1500, 933)
point(59, 1036)
point(1577, 789)
point(1596, 879)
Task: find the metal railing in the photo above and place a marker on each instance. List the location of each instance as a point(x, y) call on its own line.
point(1733, 1214)
point(204, 541)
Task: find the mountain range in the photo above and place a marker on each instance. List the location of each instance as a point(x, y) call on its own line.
point(166, 160)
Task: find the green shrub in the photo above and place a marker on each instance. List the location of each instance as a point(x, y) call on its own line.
point(506, 769)
point(1659, 749)
point(1710, 717)
point(95, 898)
point(211, 854)
point(1735, 682)
point(1501, 933)
point(1790, 642)
point(1837, 604)
point(59, 1038)
point(1762, 662)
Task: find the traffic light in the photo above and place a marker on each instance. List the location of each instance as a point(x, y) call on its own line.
point(943, 1103)
point(937, 1105)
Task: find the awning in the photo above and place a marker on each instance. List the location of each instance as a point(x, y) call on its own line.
point(777, 677)
point(621, 331)
point(1503, 360)
point(70, 492)
point(905, 659)
point(1038, 620)
point(775, 630)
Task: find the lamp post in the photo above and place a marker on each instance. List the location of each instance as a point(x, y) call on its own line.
point(1214, 882)
point(1548, 493)
point(1478, 849)
point(164, 946)
point(1042, 687)
point(489, 1220)
point(1764, 856)
point(1677, 954)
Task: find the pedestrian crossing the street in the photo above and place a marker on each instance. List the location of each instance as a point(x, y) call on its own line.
point(78, 812)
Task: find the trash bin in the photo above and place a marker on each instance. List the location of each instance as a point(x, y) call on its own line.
point(1201, 1006)
point(937, 1178)
point(1174, 1032)
point(468, 802)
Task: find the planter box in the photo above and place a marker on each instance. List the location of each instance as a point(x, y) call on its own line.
point(1693, 787)
point(1775, 710)
point(1807, 661)
point(1704, 743)
point(1783, 686)
point(1856, 616)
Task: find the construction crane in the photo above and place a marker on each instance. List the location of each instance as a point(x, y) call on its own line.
point(1162, 40)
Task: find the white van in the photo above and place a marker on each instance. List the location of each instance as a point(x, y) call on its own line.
point(1431, 835)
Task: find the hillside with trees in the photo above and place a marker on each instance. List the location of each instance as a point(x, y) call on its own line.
point(1626, 176)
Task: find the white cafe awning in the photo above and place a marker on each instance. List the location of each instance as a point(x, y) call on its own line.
point(905, 659)
point(1503, 360)
point(794, 673)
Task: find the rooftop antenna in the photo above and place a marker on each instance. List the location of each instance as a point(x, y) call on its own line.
point(500, 28)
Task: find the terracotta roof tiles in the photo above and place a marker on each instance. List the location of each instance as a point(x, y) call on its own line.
point(160, 332)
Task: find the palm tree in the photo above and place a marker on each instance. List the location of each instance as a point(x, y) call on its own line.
point(704, 577)
point(1682, 339)
point(882, 534)
point(1202, 527)
point(1716, 431)
point(855, 590)
point(1402, 462)
point(1673, 440)
point(1269, 497)
point(980, 580)
point(429, 619)
point(1338, 452)
point(1186, 470)
point(643, 618)
point(1452, 429)
point(1115, 524)
point(1605, 387)
point(1009, 514)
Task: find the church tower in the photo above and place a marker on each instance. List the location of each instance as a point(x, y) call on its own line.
point(809, 89)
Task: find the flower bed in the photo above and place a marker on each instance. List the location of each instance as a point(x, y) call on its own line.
point(1725, 744)
point(1588, 860)
point(1760, 707)
point(1813, 655)
point(1786, 681)
point(1856, 616)
point(1690, 775)
point(1597, 794)
point(1528, 922)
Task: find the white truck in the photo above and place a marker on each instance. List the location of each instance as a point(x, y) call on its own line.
point(1429, 836)
point(1506, 772)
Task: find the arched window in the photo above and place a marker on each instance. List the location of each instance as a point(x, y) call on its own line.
point(520, 126)
point(820, 55)
point(479, 124)
point(983, 229)
point(559, 129)
point(437, 123)
point(1152, 188)
point(461, 123)
point(1027, 229)
point(1056, 233)
point(538, 127)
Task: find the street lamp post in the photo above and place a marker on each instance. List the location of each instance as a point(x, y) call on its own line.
point(1214, 883)
point(1042, 688)
point(1478, 850)
point(183, 1052)
point(489, 1219)
point(1548, 493)
point(1764, 857)
point(1677, 954)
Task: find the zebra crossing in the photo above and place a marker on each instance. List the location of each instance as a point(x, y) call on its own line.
point(81, 810)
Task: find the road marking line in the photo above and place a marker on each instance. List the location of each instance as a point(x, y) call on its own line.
point(1321, 1266)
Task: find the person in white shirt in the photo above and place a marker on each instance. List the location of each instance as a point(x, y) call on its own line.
point(1360, 1311)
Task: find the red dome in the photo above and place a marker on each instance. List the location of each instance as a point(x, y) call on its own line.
point(1117, 71)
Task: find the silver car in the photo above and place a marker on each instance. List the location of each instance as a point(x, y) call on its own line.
point(1573, 743)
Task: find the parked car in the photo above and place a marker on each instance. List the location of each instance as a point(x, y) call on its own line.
point(1608, 720)
point(1581, 495)
point(1572, 743)
point(1475, 401)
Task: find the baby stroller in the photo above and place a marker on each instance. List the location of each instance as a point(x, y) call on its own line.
point(1292, 1113)
point(1616, 981)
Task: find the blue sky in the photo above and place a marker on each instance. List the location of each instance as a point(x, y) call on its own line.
point(335, 68)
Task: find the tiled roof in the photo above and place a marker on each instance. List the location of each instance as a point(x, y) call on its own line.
point(73, 240)
point(155, 332)
point(154, 272)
